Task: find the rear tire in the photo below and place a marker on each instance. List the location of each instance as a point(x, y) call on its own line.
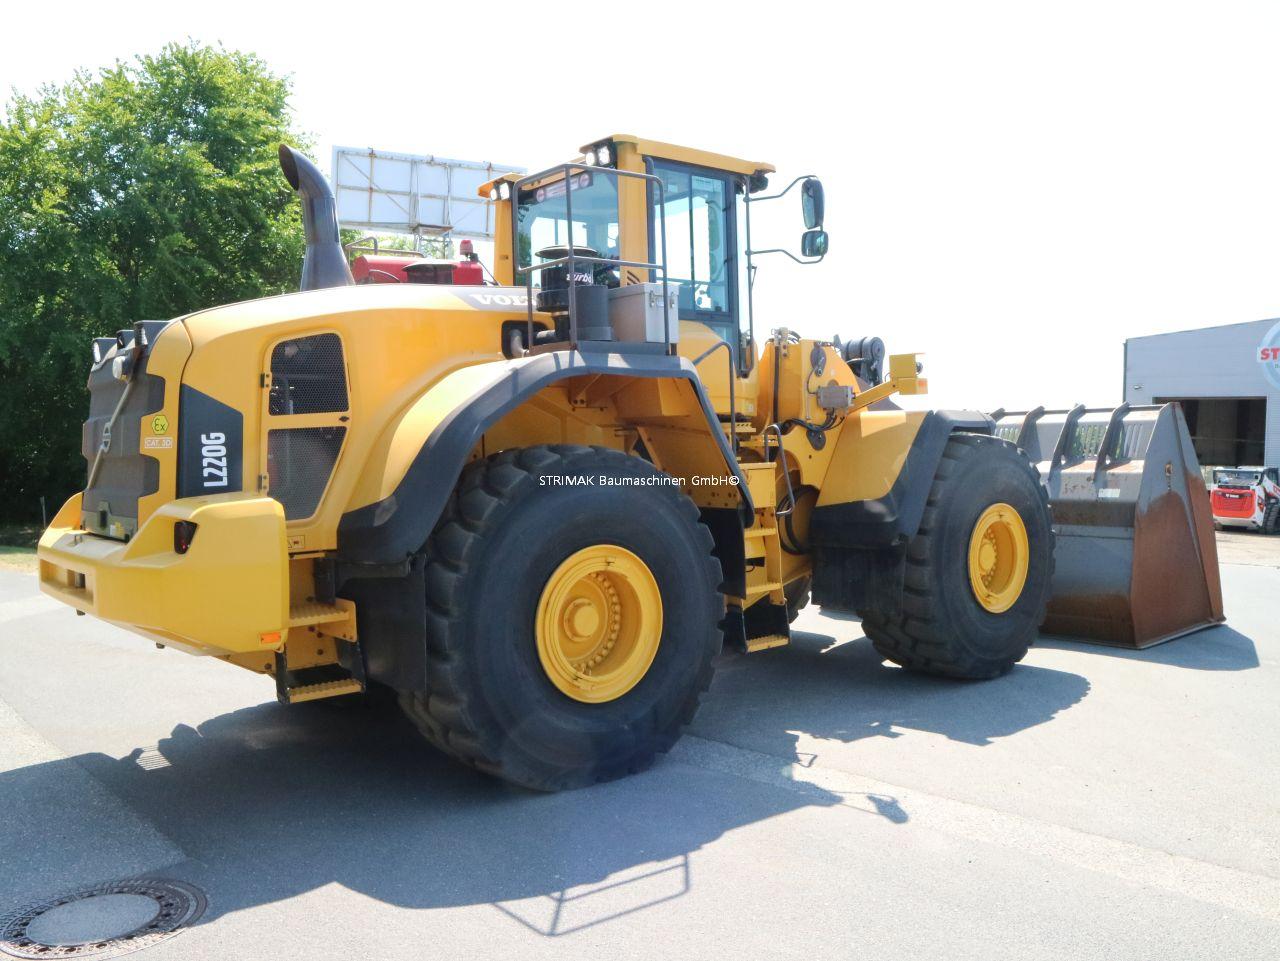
point(943, 628)
point(505, 535)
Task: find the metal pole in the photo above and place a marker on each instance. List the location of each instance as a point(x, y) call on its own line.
point(573, 278)
point(751, 280)
point(666, 297)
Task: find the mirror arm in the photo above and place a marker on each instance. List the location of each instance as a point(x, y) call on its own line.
point(755, 200)
point(783, 250)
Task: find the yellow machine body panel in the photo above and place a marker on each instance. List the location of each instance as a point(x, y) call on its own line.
point(397, 340)
point(228, 593)
point(158, 430)
point(868, 455)
point(413, 357)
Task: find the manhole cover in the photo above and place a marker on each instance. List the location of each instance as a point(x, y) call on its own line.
point(103, 921)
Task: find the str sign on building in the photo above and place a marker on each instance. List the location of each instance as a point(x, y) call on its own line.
point(1228, 380)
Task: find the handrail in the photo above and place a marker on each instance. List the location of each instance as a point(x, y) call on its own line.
point(567, 170)
point(733, 405)
point(786, 474)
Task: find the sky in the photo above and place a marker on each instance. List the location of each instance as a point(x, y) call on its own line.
point(1013, 188)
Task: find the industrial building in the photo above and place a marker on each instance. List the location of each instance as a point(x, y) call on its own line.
point(1228, 381)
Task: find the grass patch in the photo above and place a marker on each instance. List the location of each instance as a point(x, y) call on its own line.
point(19, 535)
point(18, 546)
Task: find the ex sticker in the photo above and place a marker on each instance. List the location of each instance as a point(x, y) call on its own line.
point(159, 424)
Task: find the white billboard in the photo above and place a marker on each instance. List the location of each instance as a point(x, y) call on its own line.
point(417, 194)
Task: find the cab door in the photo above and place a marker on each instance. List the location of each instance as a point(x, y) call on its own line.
point(700, 218)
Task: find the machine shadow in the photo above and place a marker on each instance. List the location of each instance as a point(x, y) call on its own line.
point(846, 692)
point(1219, 648)
point(271, 802)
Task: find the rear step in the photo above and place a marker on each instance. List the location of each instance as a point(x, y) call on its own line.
point(315, 681)
point(314, 692)
point(335, 617)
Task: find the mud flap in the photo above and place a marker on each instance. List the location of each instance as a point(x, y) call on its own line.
point(1136, 563)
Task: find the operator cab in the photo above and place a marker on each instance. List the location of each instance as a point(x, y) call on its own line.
point(603, 243)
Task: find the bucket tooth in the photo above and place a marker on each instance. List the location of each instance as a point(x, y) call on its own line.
point(1135, 558)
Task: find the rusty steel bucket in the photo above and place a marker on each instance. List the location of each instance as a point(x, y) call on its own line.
point(1135, 559)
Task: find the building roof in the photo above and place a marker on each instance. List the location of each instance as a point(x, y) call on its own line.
point(1265, 324)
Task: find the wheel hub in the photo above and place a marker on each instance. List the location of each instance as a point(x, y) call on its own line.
point(999, 555)
point(598, 623)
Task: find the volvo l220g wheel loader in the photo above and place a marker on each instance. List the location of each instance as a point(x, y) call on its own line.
point(539, 509)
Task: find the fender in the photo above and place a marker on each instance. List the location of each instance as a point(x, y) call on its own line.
point(893, 517)
point(455, 412)
point(858, 542)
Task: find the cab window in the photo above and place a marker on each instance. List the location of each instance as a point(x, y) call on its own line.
point(541, 217)
point(700, 244)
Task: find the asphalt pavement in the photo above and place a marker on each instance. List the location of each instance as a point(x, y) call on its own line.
point(1093, 803)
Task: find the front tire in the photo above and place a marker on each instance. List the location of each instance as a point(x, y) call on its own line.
point(972, 609)
point(516, 563)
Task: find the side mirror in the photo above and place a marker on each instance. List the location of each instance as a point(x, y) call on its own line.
point(813, 202)
point(813, 243)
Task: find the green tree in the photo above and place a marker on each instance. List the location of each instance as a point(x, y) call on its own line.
point(147, 191)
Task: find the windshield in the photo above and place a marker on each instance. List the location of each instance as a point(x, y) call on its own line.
point(542, 218)
point(1235, 478)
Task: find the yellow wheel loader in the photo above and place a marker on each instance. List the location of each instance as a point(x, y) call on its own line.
point(539, 509)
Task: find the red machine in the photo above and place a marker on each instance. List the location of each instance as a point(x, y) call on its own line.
point(1247, 497)
point(410, 269)
point(381, 269)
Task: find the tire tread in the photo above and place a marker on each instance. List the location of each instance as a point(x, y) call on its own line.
point(443, 713)
point(918, 638)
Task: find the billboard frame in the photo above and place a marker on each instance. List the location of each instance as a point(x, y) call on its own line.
point(349, 176)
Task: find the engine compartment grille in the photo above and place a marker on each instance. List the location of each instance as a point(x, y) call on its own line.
point(125, 474)
point(308, 376)
point(300, 461)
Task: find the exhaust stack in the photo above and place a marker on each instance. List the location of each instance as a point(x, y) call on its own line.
point(325, 263)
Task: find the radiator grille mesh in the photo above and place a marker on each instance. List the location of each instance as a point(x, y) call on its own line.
point(307, 376)
point(299, 463)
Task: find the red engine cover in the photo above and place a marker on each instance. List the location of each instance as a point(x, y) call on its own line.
point(468, 273)
point(375, 268)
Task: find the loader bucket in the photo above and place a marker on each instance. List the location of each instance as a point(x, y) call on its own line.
point(1135, 559)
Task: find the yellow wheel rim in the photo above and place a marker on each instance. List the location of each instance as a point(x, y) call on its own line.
point(598, 624)
point(998, 558)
